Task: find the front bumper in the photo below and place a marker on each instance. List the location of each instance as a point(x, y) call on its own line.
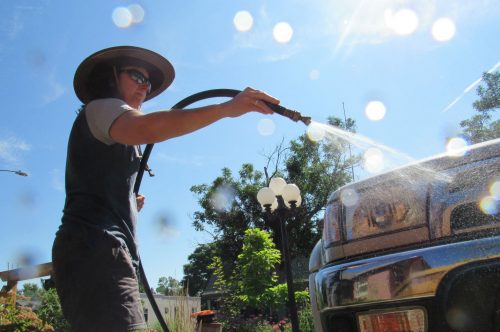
point(397, 277)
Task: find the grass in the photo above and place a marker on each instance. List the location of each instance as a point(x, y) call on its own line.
point(181, 320)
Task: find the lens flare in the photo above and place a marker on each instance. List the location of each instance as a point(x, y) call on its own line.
point(443, 29)
point(458, 318)
point(349, 197)
point(27, 258)
point(315, 133)
point(314, 75)
point(27, 200)
point(456, 147)
point(223, 198)
point(243, 21)
point(373, 160)
point(122, 17)
point(375, 110)
point(489, 205)
point(125, 17)
point(266, 127)
point(165, 225)
point(495, 189)
point(282, 32)
point(137, 13)
point(404, 22)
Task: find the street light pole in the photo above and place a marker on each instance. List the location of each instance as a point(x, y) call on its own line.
point(288, 267)
point(19, 172)
point(272, 199)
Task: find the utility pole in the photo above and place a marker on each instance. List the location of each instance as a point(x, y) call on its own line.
point(349, 144)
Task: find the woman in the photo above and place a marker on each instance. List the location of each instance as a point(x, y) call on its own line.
point(94, 254)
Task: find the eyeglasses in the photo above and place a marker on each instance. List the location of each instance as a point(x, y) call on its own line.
point(137, 77)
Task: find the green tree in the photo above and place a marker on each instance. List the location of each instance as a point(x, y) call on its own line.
point(50, 311)
point(229, 304)
point(32, 291)
point(252, 287)
point(255, 266)
point(196, 273)
point(241, 288)
point(481, 127)
point(169, 286)
point(229, 205)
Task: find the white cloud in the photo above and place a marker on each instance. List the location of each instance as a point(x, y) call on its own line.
point(14, 25)
point(11, 149)
point(56, 89)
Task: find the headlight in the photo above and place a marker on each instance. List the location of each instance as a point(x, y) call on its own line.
point(331, 224)
point(386, 207)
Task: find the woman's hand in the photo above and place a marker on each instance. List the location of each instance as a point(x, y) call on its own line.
point(250, 100)
point(140, 201)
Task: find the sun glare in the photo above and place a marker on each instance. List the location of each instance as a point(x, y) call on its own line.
point(456, 147)
point(314, 75)
point(349, 197)
point(315, 133)
point(122, 17)
point(125, 17)
point(443, 29)
point(495, 189)
point(373, 160)
point(223, 198)
point(243, 21)
point(403, 22)
point(266, 127)
point(137, 13)
point(282, 32)
point(489, 205)
point(375, 110)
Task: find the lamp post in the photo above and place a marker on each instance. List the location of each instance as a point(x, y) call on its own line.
point(278, 199)
point(19, 172)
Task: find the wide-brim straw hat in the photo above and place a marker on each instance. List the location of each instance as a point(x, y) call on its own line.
point(160, 70)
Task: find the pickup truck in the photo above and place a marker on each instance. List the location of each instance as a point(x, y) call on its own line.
point(413, 249)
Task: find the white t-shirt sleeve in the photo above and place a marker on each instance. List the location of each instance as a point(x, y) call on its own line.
point(101, 113)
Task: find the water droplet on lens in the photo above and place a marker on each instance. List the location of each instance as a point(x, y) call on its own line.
point(243, 21)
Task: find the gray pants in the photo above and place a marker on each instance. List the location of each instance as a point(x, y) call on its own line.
point(96, 281)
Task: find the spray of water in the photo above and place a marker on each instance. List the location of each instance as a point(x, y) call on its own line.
point(381, 157)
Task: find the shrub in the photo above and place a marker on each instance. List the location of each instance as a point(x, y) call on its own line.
point(21, 319)
point(50, 311)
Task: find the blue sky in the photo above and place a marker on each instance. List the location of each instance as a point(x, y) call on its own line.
point(421, 60)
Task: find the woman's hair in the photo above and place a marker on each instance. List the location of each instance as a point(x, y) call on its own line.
point(102, 82)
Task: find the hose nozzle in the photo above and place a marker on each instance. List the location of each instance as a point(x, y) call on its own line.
point(291, 114)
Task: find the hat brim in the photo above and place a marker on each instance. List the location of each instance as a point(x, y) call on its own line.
point(160, 70)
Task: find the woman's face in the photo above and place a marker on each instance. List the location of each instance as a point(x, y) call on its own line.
point(133, 85)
